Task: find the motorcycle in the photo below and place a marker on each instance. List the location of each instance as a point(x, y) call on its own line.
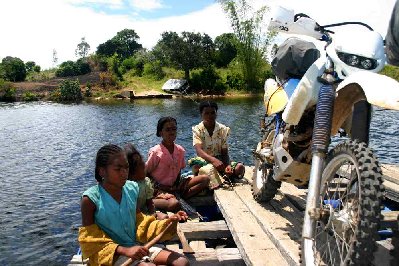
point(324, 88)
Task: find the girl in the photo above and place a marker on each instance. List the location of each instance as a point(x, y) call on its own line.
point(146, 200)
point(166, 160)
point(111, 226)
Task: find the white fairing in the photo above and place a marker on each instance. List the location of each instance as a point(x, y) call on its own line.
point(282, 20)
point(306, 93)
point(371, 46)
point(380, 90)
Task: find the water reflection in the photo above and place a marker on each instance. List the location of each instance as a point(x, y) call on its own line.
point(47, 159)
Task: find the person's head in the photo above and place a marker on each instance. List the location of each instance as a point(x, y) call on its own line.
point(111, 165)
point(167, 128)
point(208, 111)
point(235, 170)
point(136, 163)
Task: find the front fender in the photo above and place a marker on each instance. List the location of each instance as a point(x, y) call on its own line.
point(378, 89)
point(374, 88)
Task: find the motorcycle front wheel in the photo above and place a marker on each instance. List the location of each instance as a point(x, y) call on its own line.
point(264, 187)
point(351, 195)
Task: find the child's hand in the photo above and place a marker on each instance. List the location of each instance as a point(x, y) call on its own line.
point(179, 216)
point(136, 252)
point(165, 196)
point(218, 164)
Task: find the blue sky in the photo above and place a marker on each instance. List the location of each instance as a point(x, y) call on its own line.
point(148, 9)
point(32, 29)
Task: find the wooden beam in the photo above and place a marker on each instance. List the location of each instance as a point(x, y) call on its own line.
point(208, 256)
point(205, 230)
point(254, 245)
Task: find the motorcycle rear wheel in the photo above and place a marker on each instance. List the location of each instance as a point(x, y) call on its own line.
point(350, 201)
point(264, 187)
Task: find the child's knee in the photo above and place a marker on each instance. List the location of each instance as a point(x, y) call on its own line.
point(206, 179)
point(181, 261)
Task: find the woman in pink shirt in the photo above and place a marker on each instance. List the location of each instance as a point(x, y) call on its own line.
point(166, 160)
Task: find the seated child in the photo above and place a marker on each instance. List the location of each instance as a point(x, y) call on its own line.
point(235, 170)
point(113, 229)
point(146, 201)
point(166, 161)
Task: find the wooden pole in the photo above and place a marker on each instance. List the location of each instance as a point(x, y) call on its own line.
point(150, 243)
point(186, 247)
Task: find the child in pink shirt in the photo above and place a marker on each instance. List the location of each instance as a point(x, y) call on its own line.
point(166, 160)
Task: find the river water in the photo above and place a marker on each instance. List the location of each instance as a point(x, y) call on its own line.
point(47, 156)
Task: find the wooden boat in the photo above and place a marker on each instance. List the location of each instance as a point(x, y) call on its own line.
point(263, 234)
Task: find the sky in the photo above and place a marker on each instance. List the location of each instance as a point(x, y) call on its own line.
point(32, 29)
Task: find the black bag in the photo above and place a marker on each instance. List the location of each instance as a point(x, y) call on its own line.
point(293, 57)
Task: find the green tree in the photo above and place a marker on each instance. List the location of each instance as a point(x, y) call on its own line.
point(83, 48)
point(124, 44)
point(252, 41)
point(13, 69)
point(29, 66)
point(186, 52)
point(36, 68)
point(226, 51)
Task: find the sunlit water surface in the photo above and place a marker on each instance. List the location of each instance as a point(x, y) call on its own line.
point(47, 156)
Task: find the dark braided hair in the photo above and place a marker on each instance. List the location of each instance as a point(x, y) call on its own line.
point(103, 157)
point(133, 157)
point(204, 104)
point(161, 123)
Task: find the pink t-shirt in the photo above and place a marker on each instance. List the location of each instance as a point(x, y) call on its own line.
point(163, 166)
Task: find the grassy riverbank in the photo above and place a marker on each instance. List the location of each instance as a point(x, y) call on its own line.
point(45, 86)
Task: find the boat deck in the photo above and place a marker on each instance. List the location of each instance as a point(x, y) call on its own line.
point(264, 234)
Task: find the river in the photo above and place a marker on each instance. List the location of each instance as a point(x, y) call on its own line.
point(47, 157)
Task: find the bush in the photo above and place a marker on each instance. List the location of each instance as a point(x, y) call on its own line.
point(107, 79)
point(55, 96)
point(7, 91)
point(154, 69)
point(235, 81)
point(134, 63)
point(207, 81)
point(70, 91)
point(29, 97)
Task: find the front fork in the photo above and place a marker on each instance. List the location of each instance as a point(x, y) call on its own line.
point(320, 142)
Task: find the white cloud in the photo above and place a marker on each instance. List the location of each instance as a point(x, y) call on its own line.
point(32, 29)
point(210, 20)
point(113, 4)
point(147, 4)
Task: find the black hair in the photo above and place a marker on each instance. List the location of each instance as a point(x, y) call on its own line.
point(131, 151)
point(103, 157)
point(204, 104)
point(161, 123)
